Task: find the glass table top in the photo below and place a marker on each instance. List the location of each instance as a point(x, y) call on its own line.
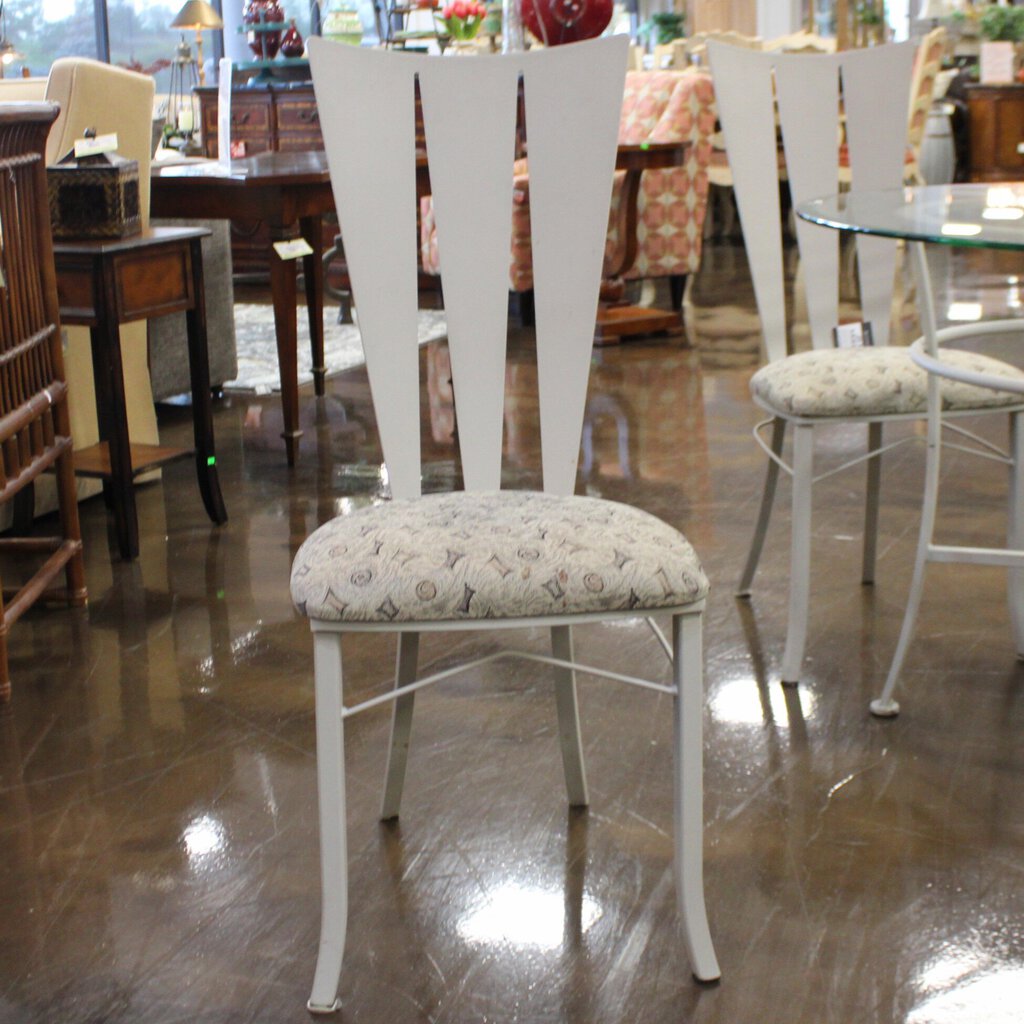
point(985, 216)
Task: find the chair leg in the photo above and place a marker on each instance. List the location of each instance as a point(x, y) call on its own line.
point(771, 479)
point(1015, 582)
point(871, 504)
point(688, 777)
point(569, 719)
point(330, 768)
point(800, 554)
point(676, 290)
point(401, 725)
point(884, 706)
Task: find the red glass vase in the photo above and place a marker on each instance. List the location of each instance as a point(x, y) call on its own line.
point(554, 22)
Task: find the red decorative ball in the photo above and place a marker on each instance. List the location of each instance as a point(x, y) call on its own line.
point(566, 21)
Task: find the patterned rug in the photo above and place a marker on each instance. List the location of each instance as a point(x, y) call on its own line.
point(343, 349)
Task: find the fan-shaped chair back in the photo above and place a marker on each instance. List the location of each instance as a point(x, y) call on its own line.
point(818, 98)
point(469, 113)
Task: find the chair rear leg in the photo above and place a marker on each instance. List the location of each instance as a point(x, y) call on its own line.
point(688, 711)
point(1015, 529)
point(771, 479)
point(871, 504)
point(330, 769)
point(800, 554)
point(401, 725)
point(569, 719)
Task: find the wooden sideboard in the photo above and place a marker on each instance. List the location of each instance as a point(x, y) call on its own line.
point(996, 126)
point(267, 118)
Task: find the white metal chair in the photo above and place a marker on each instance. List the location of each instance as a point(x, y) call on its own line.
point(484, 558)
point(928, 354)
point(827, 385)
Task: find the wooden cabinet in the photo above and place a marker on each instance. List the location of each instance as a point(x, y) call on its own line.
point(996, 132)
point(266, 118)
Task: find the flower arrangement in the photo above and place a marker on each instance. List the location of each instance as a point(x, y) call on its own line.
point(461, 19)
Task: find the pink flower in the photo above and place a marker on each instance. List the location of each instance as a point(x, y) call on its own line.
point(447, 11)
point(459, 9)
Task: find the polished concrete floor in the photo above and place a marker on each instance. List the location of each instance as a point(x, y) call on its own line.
point(158, 843)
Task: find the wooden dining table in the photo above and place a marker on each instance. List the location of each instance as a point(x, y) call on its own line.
point(291, 192)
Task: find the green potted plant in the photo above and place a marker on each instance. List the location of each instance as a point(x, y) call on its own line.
point(662, 27)
point(1002, 29)
point(1002, 24)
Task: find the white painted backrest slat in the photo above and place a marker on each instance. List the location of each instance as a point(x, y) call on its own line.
point(573, 97)
point(877, 133)
point(367, 115)
point(876, 130)
point(572, 126)
point(808, 100)
point(746, 109)
point(470, 125)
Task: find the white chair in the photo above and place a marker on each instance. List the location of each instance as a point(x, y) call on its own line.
point(827, 385)
point(484, 558)
point(942, 365)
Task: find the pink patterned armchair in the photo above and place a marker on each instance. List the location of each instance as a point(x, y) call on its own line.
point(658, 106)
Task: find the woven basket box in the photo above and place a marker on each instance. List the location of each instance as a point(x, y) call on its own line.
point(94, 197)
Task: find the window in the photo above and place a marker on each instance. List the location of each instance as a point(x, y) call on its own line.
point(130, 33)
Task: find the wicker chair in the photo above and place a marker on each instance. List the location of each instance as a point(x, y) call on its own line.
point(34, 432)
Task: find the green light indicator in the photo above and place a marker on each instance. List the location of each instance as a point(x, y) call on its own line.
point(645, 145)
point(220, 595)
point(211, 460)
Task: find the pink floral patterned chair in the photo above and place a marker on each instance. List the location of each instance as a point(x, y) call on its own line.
point(658, 106)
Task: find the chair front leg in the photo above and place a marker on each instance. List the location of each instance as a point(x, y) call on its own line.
point(800, 554)
point(330, 769)
point(688, 779)
point(401, 725)
point(569, 719)
point(771, 480)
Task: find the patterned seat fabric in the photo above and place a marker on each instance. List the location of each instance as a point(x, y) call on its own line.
point(872, 382)
point(658, 106)
point(467, 555)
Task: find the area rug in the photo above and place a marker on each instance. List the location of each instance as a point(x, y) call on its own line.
point(257, 349)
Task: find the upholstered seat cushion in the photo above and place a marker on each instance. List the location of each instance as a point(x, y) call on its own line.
point(499, 554)
point(872, 382)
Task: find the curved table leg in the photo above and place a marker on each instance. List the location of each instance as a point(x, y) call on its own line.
point(283, 291)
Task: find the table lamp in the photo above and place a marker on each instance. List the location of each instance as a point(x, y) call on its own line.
point(198, 14)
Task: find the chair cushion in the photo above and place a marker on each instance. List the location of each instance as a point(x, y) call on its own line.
point(872, 382)
point(498, 554)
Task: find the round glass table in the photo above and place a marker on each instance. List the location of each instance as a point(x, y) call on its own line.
point(981, 216)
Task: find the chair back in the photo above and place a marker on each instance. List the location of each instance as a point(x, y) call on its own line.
point(573, 95)
point(806, 90)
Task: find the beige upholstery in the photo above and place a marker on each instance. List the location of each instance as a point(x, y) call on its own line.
point(22, 90)
point(109, 99)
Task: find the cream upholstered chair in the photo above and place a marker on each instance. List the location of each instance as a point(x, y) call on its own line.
point(870, 386)
point(484, 558)
point(109, 99)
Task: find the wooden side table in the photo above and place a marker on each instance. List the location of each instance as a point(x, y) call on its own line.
point(996, 132)
point(102, 284)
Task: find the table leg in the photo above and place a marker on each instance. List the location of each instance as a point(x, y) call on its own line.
point(199, 372)
point(112, 414)
point(313, 273)
point(283, 292)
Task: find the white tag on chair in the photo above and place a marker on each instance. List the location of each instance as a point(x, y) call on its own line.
point(854, 335)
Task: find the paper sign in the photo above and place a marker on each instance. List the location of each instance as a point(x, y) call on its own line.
point(855, 335)
point(93, 147)
point(996, 65)
point(238, 149)
point(224, 153)
point(293, 249)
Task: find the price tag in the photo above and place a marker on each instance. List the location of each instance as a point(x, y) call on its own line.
point(855, 335)
point(95, 146)
point(293, 249)
point(237, 150)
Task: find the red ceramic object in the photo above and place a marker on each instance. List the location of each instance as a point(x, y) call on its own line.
point(272, 13)
point(291, 42)
point(264, 45)
point(566, 21)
